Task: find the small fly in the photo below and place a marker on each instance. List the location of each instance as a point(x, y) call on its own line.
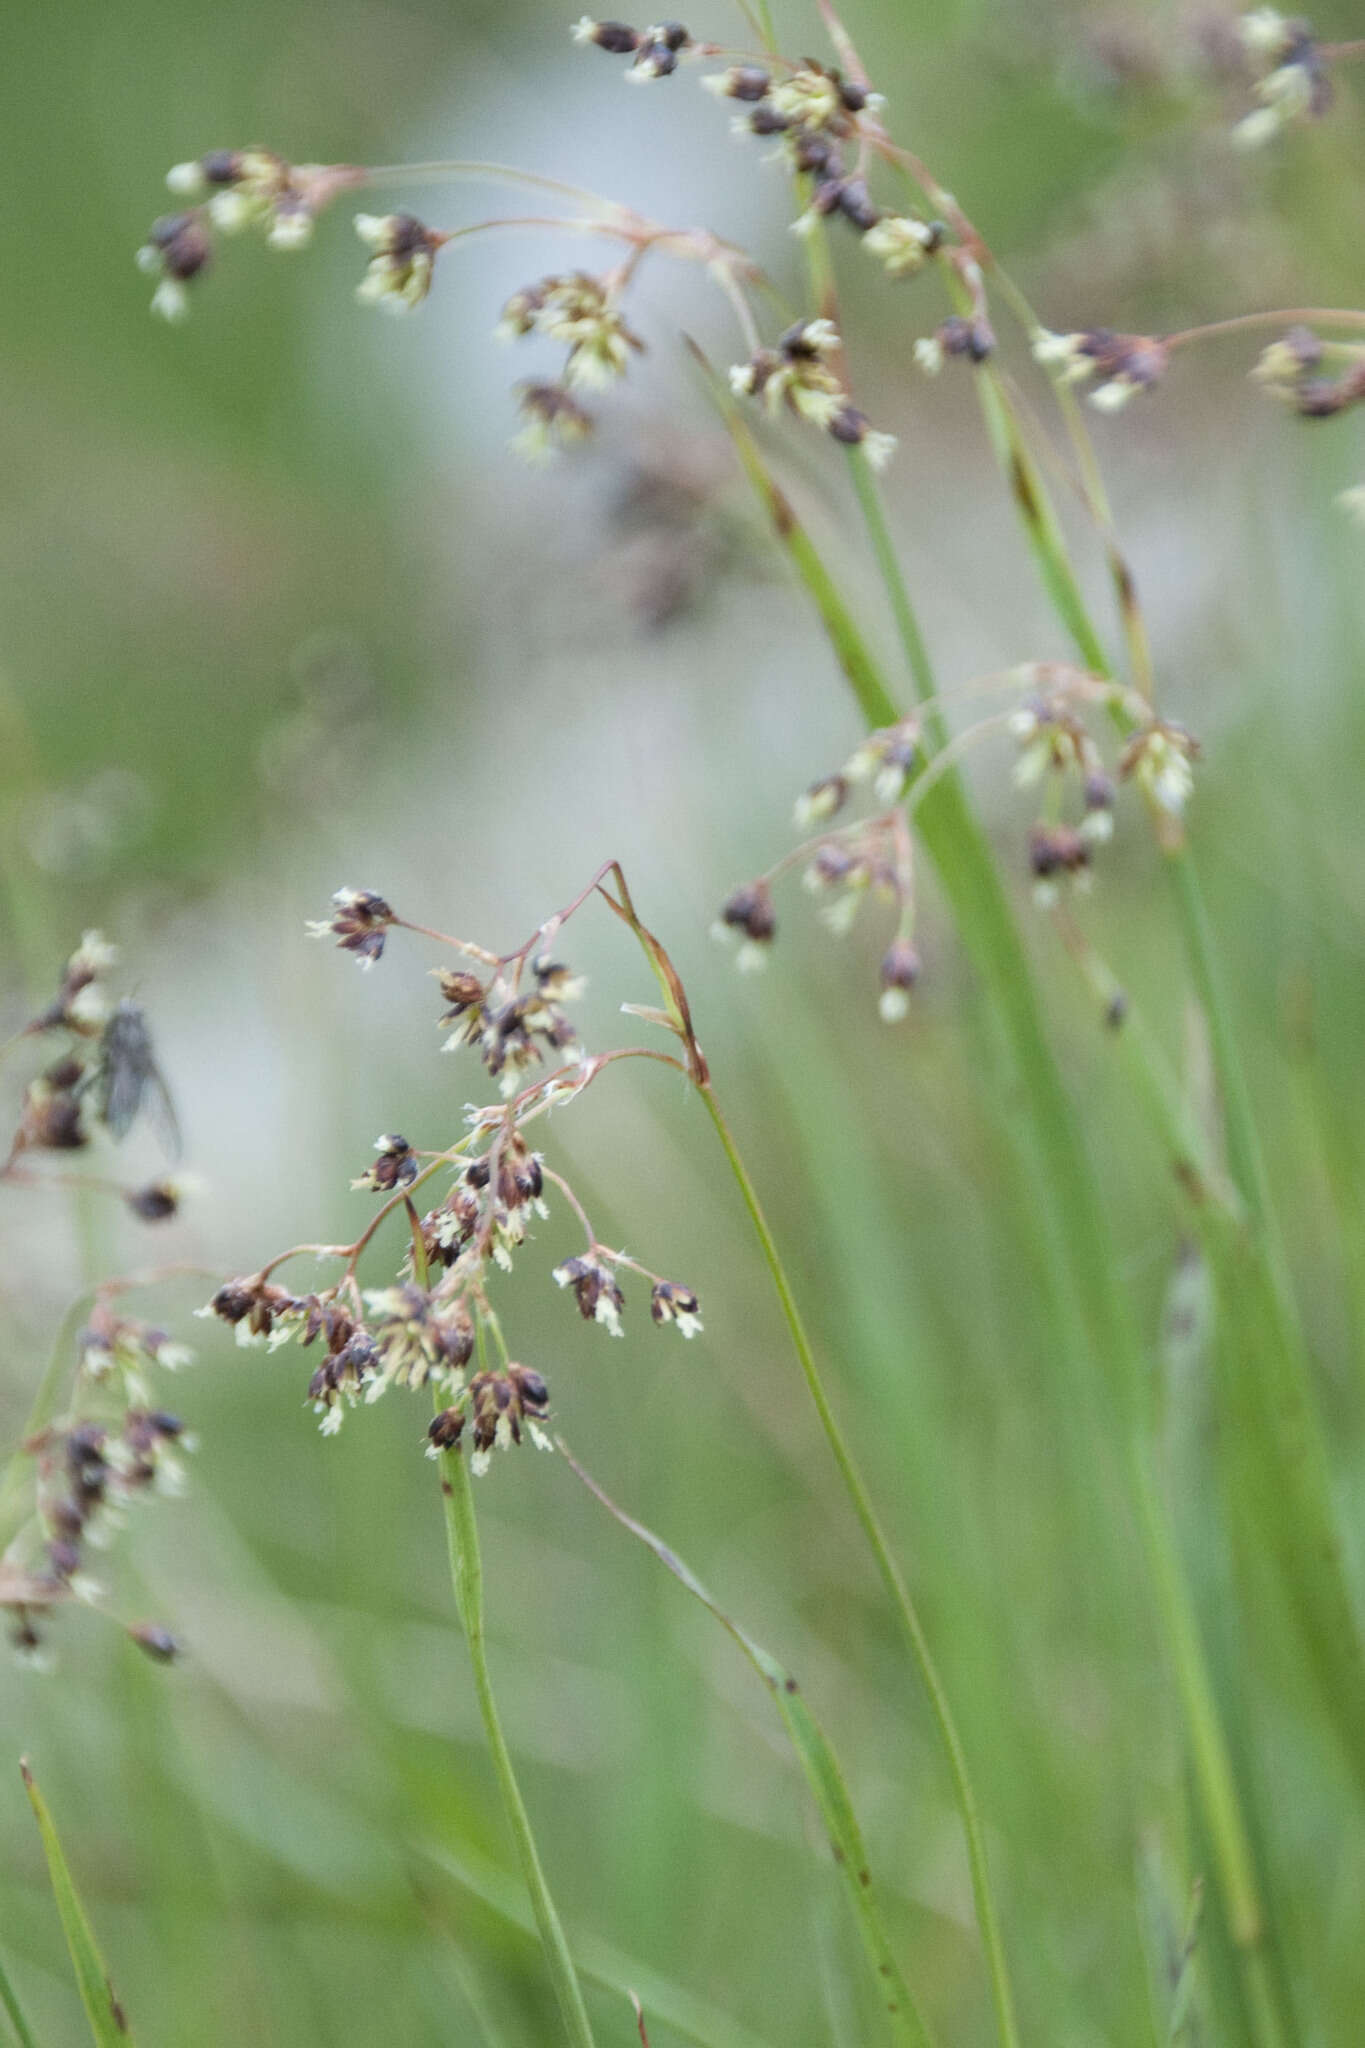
point(127, 1080)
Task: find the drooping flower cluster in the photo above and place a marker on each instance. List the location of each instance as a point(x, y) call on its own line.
point(1121, 364)
point(235, 190)
point(654, 52)
point(1292, 82)
point(434, 1325)
point(846, 865)
point(582, 314)
point(798, 377)
point(1296, 370)
point(109, 1448)
point(402, 262)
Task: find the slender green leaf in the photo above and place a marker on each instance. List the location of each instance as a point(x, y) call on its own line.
point(820, 1767)
point(108, 2022)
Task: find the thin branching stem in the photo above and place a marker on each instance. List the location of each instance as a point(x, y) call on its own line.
point(892, 1578)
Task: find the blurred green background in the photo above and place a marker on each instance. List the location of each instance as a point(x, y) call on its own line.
point(277, 614)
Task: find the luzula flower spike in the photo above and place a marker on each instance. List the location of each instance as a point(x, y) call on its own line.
point(433, 1326)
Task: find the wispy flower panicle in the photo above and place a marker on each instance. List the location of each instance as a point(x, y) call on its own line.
point(1159, 758)
point(234, 190)
point(552, 421)
point(359, 923)
point(671, 1302)
point(1292, 79)
point(257, 1309)
point(798, 376)
point(595, 1289)
point(435, 1324)
point(1121, 364)
point(903, 244)
point(964, 337)
point(582, 313)
point(402, 260)
point(395, 1167)
point(178, 248)
point(748, 914)
point(1294, 369)
point(109, 1448)
point(844, 866)
point(654, 52)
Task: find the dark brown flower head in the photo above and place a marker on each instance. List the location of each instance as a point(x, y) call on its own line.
point(746, 82)
point(395, 1167)
point(595, 1290)
point(847, 196)
point(655, 50)
point(886, 760)
point(358, 923)
point(499, 1403)
point(350, 1366)
point(403, 252)
point(821, 801)
point(143, 1443)
point(154, 1641)
point(582, 312)
point(1121, 364)
point(156, 1202)
point(417, 1338)
point(254, 1307)
point(617, 38)
point(750, 910)
point(178, 247)
point(53, 1115)
point(900, 973)
point(1057, 850)
point(969, 337)
point(552, 420)
point(521, 1177)
point(448, 1228)
point(114, 1344)
point(671, 1302)
point(1293, 82)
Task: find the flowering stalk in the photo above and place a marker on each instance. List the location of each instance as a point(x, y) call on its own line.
point(902, 1601)
point(1080, 1265)
point(466, 1577)
point(678, 1017)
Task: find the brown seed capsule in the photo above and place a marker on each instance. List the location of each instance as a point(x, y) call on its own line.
point(154, 1641)
point(750, 910)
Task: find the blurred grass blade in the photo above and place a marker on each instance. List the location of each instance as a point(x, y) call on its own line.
point(855, 657)
point(1171, 1949)
point(20, 2027)
point(609, 1968)
point(1276, 1436)
point(820, 1767)
point(107, 2021)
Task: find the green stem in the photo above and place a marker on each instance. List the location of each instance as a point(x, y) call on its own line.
point(466, 1578)
point(894, 1582)
point(466, 1572)
point(888, 563)
point(23, 2033)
